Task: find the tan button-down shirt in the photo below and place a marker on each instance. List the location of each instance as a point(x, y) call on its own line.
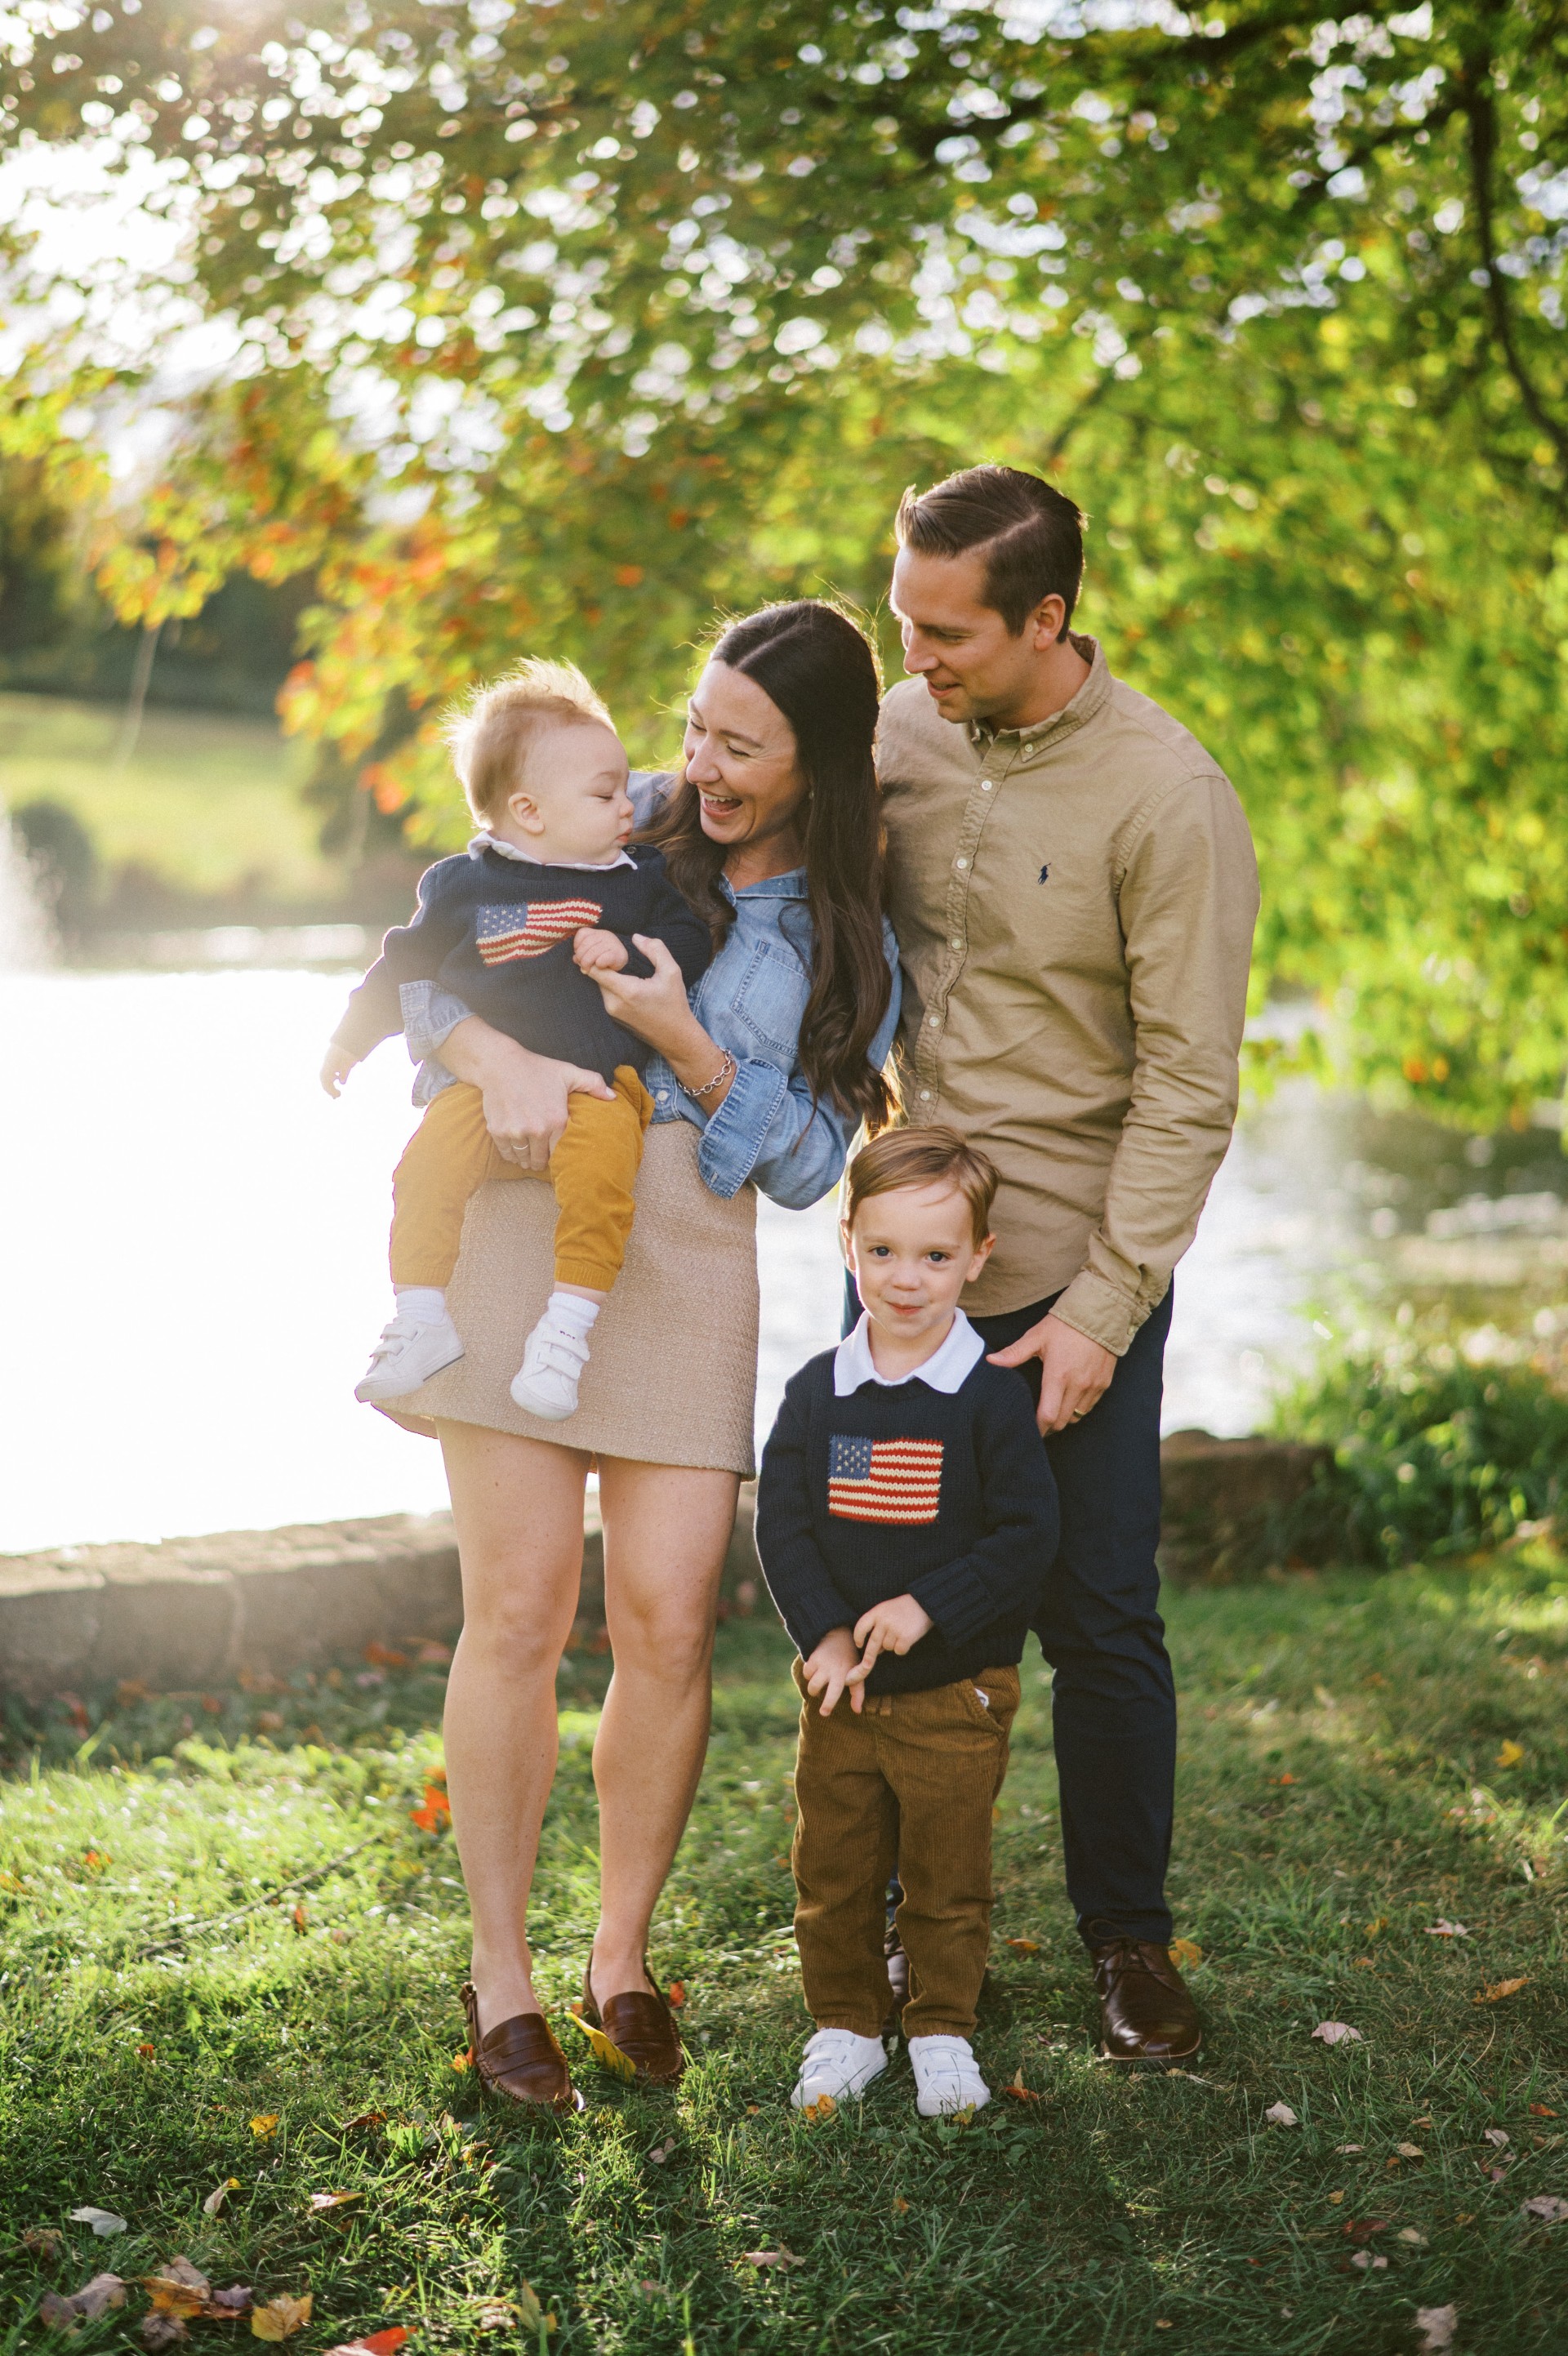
point(1074, 903)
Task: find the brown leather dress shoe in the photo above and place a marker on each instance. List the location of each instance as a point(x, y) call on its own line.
point(520, 2058)
point(642, 2028)
point(1145, 2011)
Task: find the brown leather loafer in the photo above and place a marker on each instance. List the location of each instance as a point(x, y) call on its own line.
point(1145, 2011)
point(520, 2058)
point(641, 2027)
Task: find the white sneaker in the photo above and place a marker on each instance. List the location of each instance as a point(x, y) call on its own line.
point(546, 1384)
point(412, 1349)
point(838, 2064)
point(947, 2076)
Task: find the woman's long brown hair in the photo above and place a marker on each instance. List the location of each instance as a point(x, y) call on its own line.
point(812, 662)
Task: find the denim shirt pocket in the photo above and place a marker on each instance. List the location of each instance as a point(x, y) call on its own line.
point(770, 1001)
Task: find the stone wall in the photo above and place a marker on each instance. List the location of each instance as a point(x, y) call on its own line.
point(195, 1612)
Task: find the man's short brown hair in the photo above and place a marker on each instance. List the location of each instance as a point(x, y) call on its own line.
point(1031, 536)
point(922, 1157)
point(491, 737)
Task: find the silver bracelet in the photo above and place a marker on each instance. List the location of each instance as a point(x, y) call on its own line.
point(726, 1071)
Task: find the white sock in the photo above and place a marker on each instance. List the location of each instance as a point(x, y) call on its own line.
point(425, 1302)
point(570, 1310)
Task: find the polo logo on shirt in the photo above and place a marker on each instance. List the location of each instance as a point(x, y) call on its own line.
point(1045, 874)
point(527, 930)
point(885, 1480)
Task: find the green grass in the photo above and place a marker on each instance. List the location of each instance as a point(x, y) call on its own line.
point(209, 802)
point(1340, 1792)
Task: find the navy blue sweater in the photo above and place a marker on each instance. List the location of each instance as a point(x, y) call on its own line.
point(903, 1490)
point(498, 933)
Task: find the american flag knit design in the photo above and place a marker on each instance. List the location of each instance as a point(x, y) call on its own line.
point(885, 1480)
point(531, 927)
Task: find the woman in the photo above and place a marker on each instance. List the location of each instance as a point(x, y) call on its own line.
point(771, 829)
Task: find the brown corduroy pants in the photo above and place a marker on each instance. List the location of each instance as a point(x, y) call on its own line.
point(911, 1781)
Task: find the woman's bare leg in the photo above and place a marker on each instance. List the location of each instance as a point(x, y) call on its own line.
point(666, 1531)
point(518, 1507)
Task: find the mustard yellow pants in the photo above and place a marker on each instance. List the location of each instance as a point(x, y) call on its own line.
point(592, 1171)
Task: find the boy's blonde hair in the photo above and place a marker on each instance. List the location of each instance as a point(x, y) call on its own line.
point(494, 735)
point(922, 1157)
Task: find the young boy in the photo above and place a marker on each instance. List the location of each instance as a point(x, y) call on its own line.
point(547, 896)
point(906, 1519)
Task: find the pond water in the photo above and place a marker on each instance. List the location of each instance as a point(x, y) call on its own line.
point(197, 1260)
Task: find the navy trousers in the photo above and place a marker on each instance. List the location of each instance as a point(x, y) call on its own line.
point(1113, 1710)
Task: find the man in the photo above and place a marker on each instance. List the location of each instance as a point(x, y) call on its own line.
point(1074, 892)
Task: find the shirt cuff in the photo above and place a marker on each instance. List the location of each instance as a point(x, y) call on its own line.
point(1097, 1308)
point(429, 1015)
point(958, 1600)
point(734, 1136)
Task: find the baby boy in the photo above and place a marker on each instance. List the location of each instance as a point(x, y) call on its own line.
point(547, 894)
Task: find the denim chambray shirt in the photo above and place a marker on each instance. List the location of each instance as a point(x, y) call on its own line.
point(751, 1001)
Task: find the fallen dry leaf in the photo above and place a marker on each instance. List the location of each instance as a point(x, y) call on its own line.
point(779, 2257)
point(1185, 1952)
point(676, 1992)
point(1336, 2032)
point(461, 2061)
point(1499, 2136)
point(1410, 2151)
point(1547, 2207)
point(662, 2152)
point(1511, 1754)
point(1365, 2259)
point(1445, 1930)
point(103, 2222)
point(1019, 2092)
point(300, 1919)
point(264, 2125)
point(334, 2199)
point(1349, 2150)
point(1408, 2233)
point(364, 2119)
point(1437, 2325)
point(608, 2055)
point(282, 2317)
point(1361, 2229)
point(213, 2204)
point(900, 2206)
point(178, 2288)
point(824, 2107)
point(229, 2305)
point(530, 2311)
point(1334, 2198)
point(1501, 1989)
point(86, 2305)
point(1024, 1946)
point(146, 2053)
point(495, 2315)
point(1541, 2110)
point(382, 2343)
point(436, 1811)
point(1280, 2115)
point(159, 2329)
point(47, 2246)
point(1377, 1926)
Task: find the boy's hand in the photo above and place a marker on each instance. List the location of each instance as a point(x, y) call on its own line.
point(599, 952)
point(831, 1668)
point(890, 1627)
point(336, 1068)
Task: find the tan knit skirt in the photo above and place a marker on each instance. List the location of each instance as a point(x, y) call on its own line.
point(672, 1379)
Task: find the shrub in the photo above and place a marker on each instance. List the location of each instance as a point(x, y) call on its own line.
point(1433, 1455)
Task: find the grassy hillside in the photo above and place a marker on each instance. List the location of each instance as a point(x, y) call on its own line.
point(1364, 1758)
point(208, 802)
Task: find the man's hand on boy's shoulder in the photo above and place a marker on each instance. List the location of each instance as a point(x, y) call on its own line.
point(830, 1669)
point(896, 1626)
point(1075, 1371)
point(599, 952)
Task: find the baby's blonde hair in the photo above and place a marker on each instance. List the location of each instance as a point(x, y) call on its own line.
point(491, 738)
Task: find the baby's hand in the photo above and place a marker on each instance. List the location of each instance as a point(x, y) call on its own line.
point(336, 1068)
point(890, 1627)
point(597, 952)
point(830, 1668)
